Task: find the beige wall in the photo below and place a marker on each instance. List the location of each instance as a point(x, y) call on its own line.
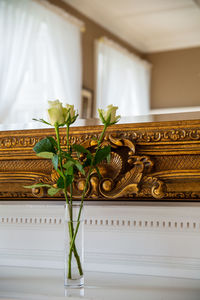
point(93, 31)
point(175, 78)
point(175, 74)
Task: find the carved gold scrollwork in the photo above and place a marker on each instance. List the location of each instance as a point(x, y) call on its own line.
point(119, 178)
point(152, 186)
point(164, 135)
point(170, 172)
point(123, 176)
point(39, 192)
point(158, 189)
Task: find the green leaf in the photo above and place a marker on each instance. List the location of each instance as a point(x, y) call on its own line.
point(37, 185)
point(42, 121)
point(45, 145)
point(81, 149)
point(52, 141)
point(101, 154)
point(98, 172)
point(66, 154)
point(69, 179)
point(101, 116)
point(55, 161)
point(74, 119)
point(52, 191)
point(70, 171)
point(69, 167)
point(45, 154)
point(60, 183)
point(79, 167)
point(69, 163)
point(108, 158)
point(87, 162)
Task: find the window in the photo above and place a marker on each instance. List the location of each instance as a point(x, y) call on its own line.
point(40, 60)
point(123, 79)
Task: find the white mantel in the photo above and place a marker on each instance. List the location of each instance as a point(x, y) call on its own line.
point(161, 239)
point(42, 284)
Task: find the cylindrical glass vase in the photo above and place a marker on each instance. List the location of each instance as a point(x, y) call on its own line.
point(74, 245)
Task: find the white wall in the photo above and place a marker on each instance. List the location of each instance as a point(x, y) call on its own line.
point(149, 238)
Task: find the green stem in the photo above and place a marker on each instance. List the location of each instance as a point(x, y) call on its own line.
point(60, 163)
point(90, 170)
point(85, 188)
point(59, 148)
point(67, 135)
point(101, 137)
point(72, 229)
point(78, 261)
point(65, 193)
point(69, 265)
point(70, 224)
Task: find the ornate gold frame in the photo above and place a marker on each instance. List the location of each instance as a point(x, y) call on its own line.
point(149, 161)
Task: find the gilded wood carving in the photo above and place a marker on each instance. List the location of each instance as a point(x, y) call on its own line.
point(149, 161)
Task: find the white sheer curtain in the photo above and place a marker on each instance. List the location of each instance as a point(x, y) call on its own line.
point(40, 60)
point(18, 31)
point(123, 79)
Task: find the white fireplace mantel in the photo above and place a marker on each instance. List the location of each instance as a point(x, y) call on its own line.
point(161, 239)
point(47, 284)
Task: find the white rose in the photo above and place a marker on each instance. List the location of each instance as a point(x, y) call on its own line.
point(70, 114)
point(56, 113)
point(109, 116)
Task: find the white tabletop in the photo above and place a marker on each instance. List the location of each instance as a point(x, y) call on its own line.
point(29, 283)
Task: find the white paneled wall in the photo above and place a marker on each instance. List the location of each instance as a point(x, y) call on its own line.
point(152, 239)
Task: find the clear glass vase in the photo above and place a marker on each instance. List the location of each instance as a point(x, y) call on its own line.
point(74, 246)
